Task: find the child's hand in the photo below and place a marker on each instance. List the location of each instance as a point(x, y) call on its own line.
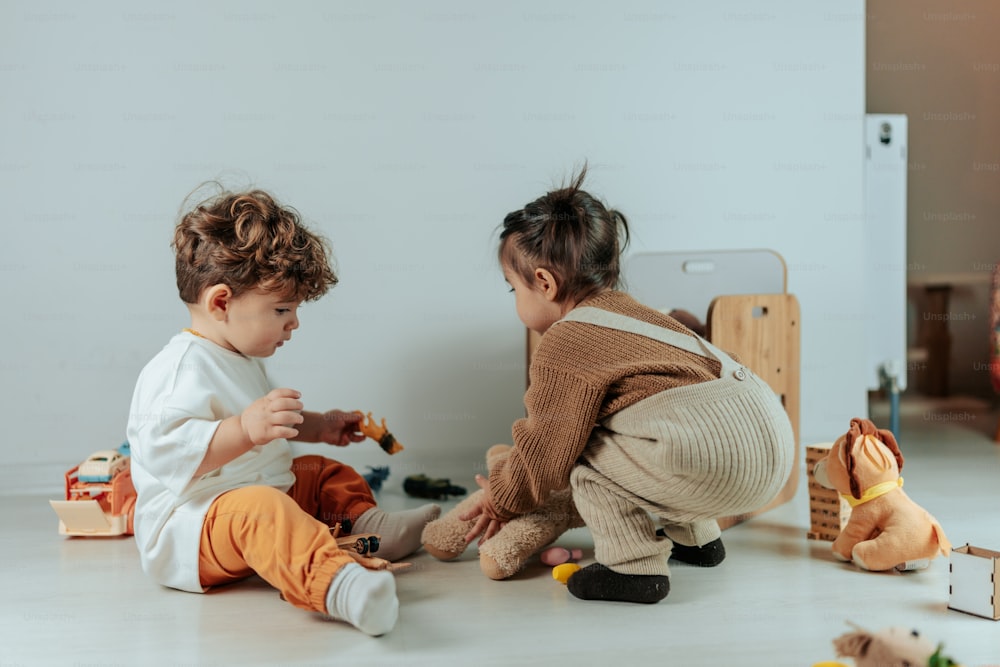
point(341, 428)
point(273, 416)
point(485, 527)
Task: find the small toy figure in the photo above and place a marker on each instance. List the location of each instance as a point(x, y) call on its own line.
point(422, 486)
point(362, 544)
point(888, 647)
point(378, 433)
point(361, 548)
point(508, 552)
point(886, 528)
point(564, 571)
point(375, 476)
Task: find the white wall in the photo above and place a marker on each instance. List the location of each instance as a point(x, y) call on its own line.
point(405, 134)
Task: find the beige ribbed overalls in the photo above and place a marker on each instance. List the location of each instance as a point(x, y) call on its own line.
point(687, 455)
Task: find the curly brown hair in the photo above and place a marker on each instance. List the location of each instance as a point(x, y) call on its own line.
point(248, 241)
point(570, 233)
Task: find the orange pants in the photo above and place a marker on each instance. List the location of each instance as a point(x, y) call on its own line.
point(285, 537)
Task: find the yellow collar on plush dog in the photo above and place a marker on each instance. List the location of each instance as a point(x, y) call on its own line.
point(873, 492)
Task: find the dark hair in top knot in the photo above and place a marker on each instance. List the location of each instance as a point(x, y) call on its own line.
point(562, 206)
point(572, 235)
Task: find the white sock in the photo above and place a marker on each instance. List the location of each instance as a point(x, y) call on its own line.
point(399, 531)
point(364, 598)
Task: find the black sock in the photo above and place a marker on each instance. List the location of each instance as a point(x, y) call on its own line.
point(708, 555)
point(597, 582)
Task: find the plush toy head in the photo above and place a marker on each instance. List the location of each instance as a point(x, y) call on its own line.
point(886, 529)
point(861, 458)
point(891, 647)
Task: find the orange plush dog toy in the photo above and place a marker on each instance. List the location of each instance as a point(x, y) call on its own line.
point(886, 529)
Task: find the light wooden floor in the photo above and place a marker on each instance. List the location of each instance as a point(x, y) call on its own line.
point(778, 599)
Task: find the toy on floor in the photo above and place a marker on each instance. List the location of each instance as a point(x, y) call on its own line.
point(564, 571)
point(422, 486)
point(506, 553)
point(362, 548)
point(99, 496)
point(974, 581)
point(366, 545)
point(886, 529)
point(891, 647)
point(379, 433)
point(375, 476)
point(561, 561)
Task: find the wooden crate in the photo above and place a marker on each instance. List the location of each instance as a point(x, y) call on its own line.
point(828, 512)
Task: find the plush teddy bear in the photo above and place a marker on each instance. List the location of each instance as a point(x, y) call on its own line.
point(886, 529)
point(891, 647)
point(507, 552)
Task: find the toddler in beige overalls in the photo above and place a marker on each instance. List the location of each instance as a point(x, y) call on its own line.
point(686, 456)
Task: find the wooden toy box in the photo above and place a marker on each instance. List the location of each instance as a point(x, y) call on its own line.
point(974, 587)
point(828, 512)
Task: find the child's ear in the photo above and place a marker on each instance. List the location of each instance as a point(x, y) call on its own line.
point(216, 299)
point(546, 283)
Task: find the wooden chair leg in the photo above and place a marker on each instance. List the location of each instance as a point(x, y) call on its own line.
point(996, 437)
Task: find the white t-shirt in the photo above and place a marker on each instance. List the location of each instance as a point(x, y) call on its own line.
point(180, 398)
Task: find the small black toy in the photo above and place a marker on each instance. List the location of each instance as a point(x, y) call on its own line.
point(422, 486)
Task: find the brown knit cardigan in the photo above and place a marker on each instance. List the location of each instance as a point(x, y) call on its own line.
point(580, 374)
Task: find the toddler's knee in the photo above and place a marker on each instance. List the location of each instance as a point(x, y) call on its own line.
point(257, 499)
